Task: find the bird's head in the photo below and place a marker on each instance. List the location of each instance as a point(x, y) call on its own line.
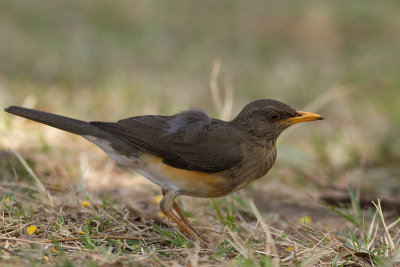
point(268, 118)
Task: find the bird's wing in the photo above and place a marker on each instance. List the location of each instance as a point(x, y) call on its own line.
point(216, 150)
point(188, 140)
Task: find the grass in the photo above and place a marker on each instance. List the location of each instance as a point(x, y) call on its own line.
point(70, 224)
point(331, 198)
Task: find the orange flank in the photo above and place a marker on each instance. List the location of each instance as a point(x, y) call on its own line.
point(189, 182)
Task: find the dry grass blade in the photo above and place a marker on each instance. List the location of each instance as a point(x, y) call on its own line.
point(394, 223)
point(215, 95)
point(238, 245)
point(387, 236)
point(270, 248)
point(42, 189)
point(371, 231)
point(224, 107)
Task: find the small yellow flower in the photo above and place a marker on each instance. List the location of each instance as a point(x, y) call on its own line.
point(305, 220)
point(289, 248)
point(119, 240)
point(80, 232)
point(7, 200)
point(31, 229)
point(86, 204)
point(44, 258)
point(157, 198)
point(160, 215)
point(55, 250)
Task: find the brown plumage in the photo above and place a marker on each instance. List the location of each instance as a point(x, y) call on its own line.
point(189, 153)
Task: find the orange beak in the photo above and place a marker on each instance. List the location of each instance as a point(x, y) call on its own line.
point(304, 116)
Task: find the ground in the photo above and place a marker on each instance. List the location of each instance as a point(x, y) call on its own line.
point(332, 197)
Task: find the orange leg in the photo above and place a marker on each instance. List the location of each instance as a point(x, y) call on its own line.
point(166, 204)
point(180, 212)
point(182, 225)
point(182, 216)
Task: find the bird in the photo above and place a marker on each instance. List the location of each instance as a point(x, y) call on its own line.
point(188, 153)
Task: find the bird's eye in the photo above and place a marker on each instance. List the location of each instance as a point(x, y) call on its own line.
point(274, 116)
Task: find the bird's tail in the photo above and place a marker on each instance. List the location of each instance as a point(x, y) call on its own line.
point(57, 121)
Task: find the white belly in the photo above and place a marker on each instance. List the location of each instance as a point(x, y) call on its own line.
point(106, 147)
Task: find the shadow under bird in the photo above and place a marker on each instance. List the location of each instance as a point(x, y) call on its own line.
point(188, 153)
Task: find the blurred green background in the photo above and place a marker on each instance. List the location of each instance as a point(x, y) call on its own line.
point(105, 60)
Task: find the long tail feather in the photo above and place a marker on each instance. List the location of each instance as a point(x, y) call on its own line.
point(57, 121)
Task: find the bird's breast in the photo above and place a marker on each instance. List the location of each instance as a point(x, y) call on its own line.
point(257, 161)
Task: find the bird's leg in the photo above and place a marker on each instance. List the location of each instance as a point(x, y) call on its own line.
point(179, 212)
point(166, 206)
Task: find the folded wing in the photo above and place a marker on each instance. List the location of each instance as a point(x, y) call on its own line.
point(189, 140)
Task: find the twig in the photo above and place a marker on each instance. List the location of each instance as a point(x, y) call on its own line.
point(68, 239)
point(15, 253)
point(40, 243)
